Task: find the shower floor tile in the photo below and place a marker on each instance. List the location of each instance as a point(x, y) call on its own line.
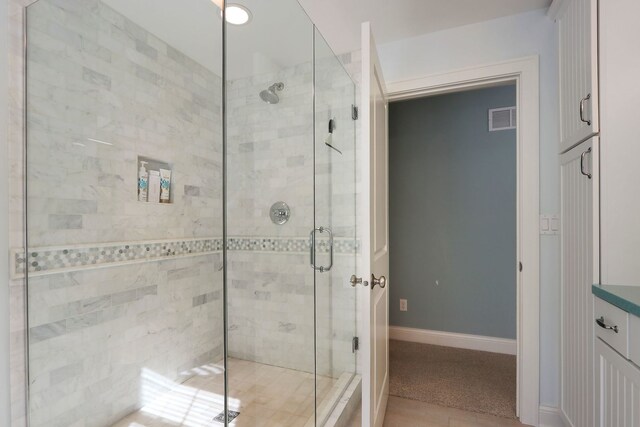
point(264, 395)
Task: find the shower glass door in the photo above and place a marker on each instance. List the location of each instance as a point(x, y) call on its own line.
point(125, 281)
point(335, 232)
point(270, 211)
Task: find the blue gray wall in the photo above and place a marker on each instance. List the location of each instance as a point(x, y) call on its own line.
point(452, 214)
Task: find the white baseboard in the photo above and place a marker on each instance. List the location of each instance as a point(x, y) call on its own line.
point(452, 339)
point(551, 417)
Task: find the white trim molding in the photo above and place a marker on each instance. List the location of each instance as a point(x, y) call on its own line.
point(453, 339)
point(551, 417)
point(524, 72)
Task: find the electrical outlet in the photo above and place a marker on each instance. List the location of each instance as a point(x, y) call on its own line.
point(403, 304)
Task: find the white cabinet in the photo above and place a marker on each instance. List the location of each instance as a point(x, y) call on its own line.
point(579, 240)
point(619, 64)
point(578, 78)
point(618, 388)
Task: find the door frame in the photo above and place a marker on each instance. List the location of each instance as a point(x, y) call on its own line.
point(524, 72)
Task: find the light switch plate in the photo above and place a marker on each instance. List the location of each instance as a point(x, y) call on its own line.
point(550, 224)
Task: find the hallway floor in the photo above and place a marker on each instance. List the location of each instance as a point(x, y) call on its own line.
point(264, 395)
point(470, 380)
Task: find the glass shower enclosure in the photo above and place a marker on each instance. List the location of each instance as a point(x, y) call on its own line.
point(191, 216)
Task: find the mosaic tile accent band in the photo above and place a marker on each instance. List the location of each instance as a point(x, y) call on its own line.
point(42, 261)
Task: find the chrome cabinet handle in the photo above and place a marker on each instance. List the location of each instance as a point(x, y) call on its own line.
point(582, 156)
point(381, 281)
point(312, 260)
point(600, 322)
point(582, 101)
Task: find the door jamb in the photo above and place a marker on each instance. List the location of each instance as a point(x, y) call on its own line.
point(525, 73)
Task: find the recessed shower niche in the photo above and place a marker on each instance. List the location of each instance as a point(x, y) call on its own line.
point(154, 181)
point(149, 316)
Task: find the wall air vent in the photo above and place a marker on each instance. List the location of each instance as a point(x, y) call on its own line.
point(502, 118)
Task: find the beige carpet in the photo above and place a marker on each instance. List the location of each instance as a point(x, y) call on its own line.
point(465, 379)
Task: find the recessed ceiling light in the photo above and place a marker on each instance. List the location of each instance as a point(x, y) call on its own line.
point(237, 14)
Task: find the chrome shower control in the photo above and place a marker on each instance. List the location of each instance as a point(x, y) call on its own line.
point(279, 213)
point(381, 281)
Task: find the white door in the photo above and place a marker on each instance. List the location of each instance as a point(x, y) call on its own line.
point(578, 49)
point(579, 262)
point(376, 241)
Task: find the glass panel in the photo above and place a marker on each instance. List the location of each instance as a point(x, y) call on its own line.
point(270, 153)
point(335, 207)
point(124, 292)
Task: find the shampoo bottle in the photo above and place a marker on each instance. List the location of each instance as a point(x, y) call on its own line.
point(165, 185)
point(143, 182)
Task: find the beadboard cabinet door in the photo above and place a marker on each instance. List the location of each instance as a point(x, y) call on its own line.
point(579, 265)
point(618, 388)
point(578, 71)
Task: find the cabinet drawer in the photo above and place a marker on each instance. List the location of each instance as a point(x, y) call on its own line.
point(634, 339)
point(612, 317)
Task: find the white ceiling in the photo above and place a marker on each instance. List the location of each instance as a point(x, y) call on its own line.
point(279, 34)
point(391, 20)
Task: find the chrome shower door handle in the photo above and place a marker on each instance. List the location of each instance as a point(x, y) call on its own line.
point(582, 101)
point(312, 248)
point(582, 156)
point(312, 237)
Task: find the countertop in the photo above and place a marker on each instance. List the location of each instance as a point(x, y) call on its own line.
point(626, 298)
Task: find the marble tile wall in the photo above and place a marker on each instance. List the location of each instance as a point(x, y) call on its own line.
point(270, 153)
point(101, 92)
point(95, 333)
point(272, 157)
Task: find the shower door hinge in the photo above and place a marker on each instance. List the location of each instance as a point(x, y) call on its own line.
point(354, 112)
point(355, 345)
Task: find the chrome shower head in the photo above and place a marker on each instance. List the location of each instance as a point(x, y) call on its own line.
point(269, 95)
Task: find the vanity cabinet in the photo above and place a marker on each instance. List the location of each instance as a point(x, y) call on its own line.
point(578, 70)
point(618, 388)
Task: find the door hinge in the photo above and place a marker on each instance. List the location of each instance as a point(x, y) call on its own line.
point(354, 112)
point(520, 266)
point(355, 344)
